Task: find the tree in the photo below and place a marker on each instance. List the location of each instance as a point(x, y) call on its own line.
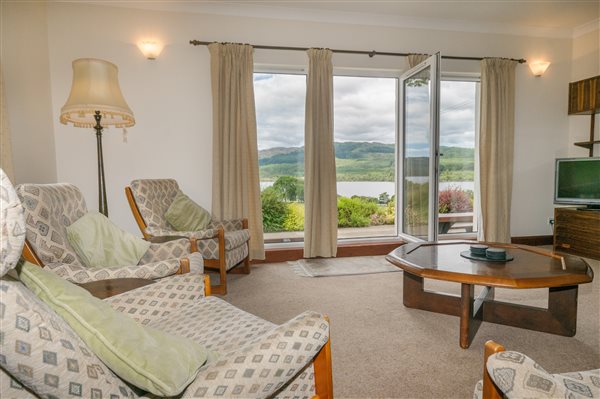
point(384, 198)
point(291, 188)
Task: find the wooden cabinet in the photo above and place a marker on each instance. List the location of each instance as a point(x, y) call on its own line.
point(584, 96)
point(577, 232)
point(584, 99)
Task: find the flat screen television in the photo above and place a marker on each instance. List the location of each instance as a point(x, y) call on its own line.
point(577, 182)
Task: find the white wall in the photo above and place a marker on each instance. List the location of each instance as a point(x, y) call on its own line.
point(24, 49)
point(586, 64)
point(172, 102)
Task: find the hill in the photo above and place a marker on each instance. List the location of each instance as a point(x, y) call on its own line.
point(366, 161)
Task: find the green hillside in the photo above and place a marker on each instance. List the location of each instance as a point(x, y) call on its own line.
point(366, 161)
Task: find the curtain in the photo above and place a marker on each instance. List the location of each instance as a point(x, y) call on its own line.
point(416, 59)
point(235, 186)
point(496, 141)
point(320, 192)
point(5, 142)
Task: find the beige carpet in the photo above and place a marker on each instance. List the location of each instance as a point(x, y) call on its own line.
point(327, 267)
point(382, 350)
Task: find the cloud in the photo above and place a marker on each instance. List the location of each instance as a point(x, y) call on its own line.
point(364, 110)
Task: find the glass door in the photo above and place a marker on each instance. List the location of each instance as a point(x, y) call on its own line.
point(419, 138)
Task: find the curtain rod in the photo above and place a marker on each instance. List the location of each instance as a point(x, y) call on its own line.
point(371, 53)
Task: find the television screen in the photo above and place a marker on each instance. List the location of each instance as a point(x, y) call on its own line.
point(577, 181)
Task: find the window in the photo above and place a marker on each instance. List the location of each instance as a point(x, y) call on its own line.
point(365, 122)
point(365, 132)
point(365, 151)
point(280, 102)
point(459, 113)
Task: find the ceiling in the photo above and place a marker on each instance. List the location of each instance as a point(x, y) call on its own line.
point(559, 18)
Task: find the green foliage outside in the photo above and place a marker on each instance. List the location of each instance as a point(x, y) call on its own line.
point(282, 214)
point(274, 210)
point(294, 219)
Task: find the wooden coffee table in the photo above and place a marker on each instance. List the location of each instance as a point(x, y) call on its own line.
point(531, 268)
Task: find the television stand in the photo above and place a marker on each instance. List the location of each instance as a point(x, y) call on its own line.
point(577, 232)
point(589, 208)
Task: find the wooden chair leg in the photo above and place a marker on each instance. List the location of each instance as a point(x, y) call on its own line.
point(246, 266)
point(323, 371)
point(207, 290)
point(490, 390)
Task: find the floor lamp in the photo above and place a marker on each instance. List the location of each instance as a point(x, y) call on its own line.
point(96, 101)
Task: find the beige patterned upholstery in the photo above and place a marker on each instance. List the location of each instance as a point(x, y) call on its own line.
point(158, 300)
point(518, 376)
point(154, 196)
point(44, 354)
point(50, 208)
point(42, 357)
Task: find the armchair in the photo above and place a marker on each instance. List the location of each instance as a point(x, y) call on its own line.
point(42, 356)
point(50, 208)
point(223, 244)
point(513, 375)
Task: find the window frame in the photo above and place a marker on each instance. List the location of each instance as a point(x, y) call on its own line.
point(392, 74)
point(468, 77)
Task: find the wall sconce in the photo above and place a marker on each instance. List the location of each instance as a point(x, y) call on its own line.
point(150, 49)
point(538, 67)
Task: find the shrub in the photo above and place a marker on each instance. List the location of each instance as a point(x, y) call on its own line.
point(454, 200)
point(274, 210)
point(355, 212)
point(294, 218)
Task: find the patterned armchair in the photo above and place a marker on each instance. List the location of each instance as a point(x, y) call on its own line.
point(50, 208)
point(43, 357)
point(513, 375)
point(223, 244)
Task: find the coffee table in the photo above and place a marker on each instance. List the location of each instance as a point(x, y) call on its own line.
point(531, 268)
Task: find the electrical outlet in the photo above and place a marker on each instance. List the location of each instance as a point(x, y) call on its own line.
point(551, 221)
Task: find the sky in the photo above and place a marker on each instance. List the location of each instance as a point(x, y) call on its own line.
point(364, 110)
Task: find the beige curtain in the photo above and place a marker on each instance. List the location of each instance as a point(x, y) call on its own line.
point(235, 187)
point(496, 141)
point(5, 141)
point(320, 193)
point(416, 59)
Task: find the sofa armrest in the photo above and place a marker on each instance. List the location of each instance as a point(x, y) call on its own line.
point(200, 234)
point(519, 376)
point(175, 248)
point(267, 364)
point(157, 300)
point(229, 225)
point(81, 274)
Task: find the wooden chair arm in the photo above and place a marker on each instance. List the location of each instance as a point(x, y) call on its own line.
point(184, 266)
point(163, 239)
point(323, 371)
point(490, 390)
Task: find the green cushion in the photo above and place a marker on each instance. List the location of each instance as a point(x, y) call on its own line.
point(100, 243)
point(185, 215)
point(145, 357)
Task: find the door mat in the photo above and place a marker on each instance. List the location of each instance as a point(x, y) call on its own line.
point(326, 267)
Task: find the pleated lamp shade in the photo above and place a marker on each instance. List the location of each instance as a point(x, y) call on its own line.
point(95, 87)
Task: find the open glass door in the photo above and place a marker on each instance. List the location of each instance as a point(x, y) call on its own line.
point(419, 138)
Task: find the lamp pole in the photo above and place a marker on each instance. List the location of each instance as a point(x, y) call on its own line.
point(102, 203)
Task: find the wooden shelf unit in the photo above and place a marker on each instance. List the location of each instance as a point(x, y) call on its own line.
point(577, 232)
point(584, 99)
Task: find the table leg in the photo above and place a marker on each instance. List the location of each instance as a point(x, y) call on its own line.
point(559, 318)
point(415, 296)
point(471, 312)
